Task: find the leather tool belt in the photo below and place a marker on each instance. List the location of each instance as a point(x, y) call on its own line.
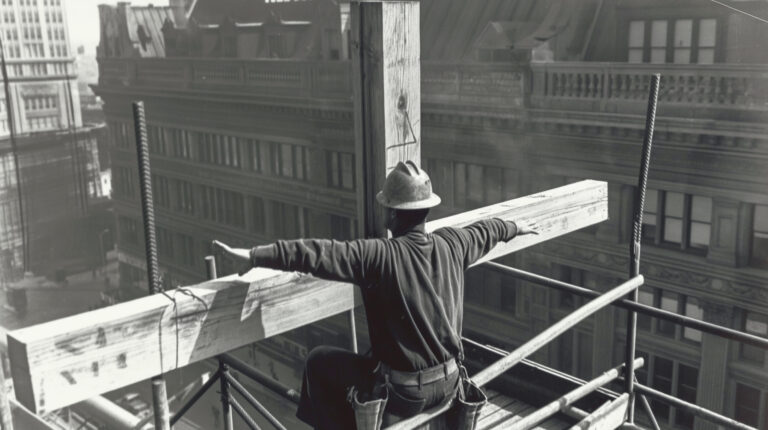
point(421, 377)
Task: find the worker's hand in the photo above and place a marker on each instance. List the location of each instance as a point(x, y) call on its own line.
point(525, 228)
point(240, 257)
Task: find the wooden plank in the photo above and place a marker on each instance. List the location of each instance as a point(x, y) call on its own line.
point(495, 409)
point(609, 416)
point(387, 98)
point(68, 360)
point(65, 361)
point(556, 212)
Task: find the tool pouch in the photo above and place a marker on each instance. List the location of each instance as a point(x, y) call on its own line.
point(369, 410)
point(470, 399)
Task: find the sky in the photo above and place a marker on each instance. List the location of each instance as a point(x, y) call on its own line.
point(83, 18)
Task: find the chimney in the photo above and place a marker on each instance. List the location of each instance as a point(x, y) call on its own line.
point(179, 8)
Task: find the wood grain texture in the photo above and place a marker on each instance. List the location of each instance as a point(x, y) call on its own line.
point(65, 361)
point(386, 69)
point(555, 212)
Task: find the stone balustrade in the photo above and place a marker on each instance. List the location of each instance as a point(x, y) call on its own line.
point(443, 83)
point(716, 91)
point(710, 90)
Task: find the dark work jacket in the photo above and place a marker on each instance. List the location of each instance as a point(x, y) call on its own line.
point(412, 285)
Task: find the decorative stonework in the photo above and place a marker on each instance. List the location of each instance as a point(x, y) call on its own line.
point(662, 274)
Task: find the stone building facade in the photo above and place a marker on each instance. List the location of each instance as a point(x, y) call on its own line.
point(57, 156)
point(251, 136)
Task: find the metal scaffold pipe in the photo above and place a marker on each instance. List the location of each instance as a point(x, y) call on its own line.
point(159, 394)
point(634, 246)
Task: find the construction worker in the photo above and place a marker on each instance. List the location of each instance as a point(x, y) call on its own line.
point(412, 288)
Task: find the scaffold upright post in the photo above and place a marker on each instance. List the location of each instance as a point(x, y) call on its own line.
point(159, 393)
point(634, 246)
point(352, 331)
point(6, 418)
point(226, 404)
point(210, 267)
point(223, 372)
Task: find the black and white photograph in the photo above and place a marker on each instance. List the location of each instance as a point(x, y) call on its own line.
point(384, 214)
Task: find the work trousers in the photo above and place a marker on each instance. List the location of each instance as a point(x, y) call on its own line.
point(330, 371)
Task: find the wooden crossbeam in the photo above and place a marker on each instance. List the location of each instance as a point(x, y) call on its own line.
point(62, 362)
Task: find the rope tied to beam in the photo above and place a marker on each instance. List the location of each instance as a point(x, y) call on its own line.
point(187, 292)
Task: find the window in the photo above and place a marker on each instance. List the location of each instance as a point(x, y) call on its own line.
point(255, 154)
point(286, 220)
point(756, 324)
point(673, 217)
point(662, 381)
point(341, 170)
point(124, 182)
point(164, 243)
point(340, 228)
point(650, 214)
point(222, 206)
point(128, 229)
point(677, 220)
point(571, 275)
point(645, 297)
point(668, 302)
point(707, 40)
point(574, 354)
point(219, 149)
point(289, 160)
point(672, 302)
point(182, 146)
point(681, 41)
point(258, 220)
point(658, 41)
point(161, 191)
point(186, 250)
point(687, 382)
point(636, 41)
point(693, 309)
point(747, 405)
point(276, 45)
point(584, 370)
point(759, 254)
point(185, 199)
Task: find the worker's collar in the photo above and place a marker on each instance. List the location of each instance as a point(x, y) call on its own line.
point(420, 228)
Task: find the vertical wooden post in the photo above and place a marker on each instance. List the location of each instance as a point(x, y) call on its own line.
point(386, 83)
point(387, 98)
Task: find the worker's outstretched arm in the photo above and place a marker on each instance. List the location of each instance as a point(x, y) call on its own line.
point(479, 238)
point(346, 261)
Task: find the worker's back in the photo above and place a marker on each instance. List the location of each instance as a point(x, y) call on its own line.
point(412, 285)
